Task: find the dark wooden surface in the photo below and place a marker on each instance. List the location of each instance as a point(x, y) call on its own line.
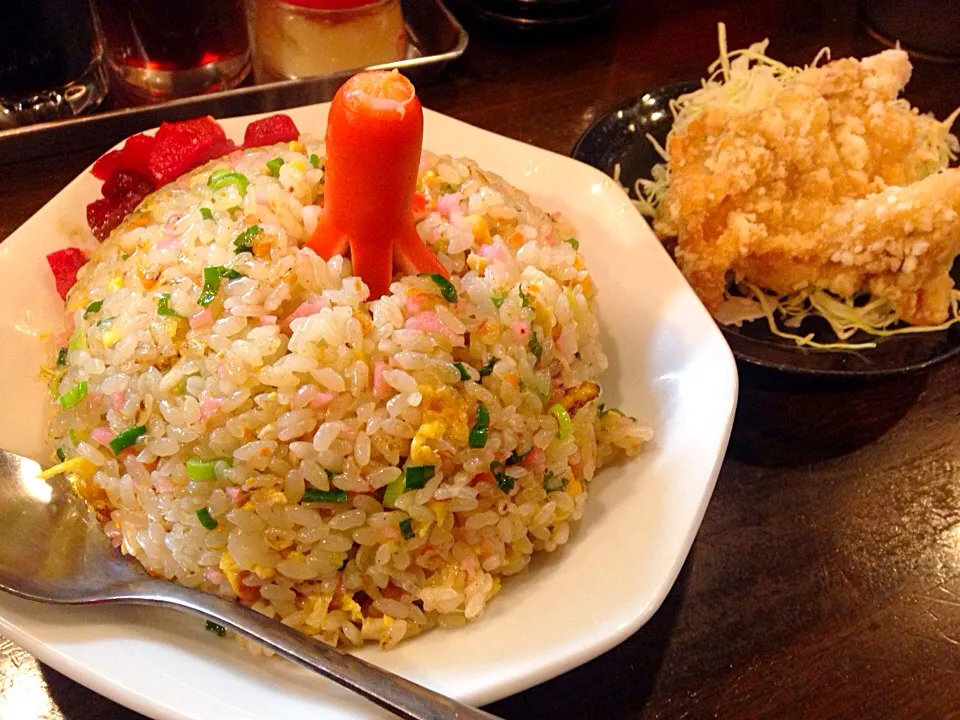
point(825, 580)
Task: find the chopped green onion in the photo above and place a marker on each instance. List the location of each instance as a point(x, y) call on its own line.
point(201, 470)
point(499, 298)
point(406, 527)
point(124, 255)
point(206, 213)
point(564, 423)
point(62, 356)
point(604, 411)
point(127, 438)
point(523, 298)
point(504, 481)
point(552, 482)
point(206, 519)
point(488, 368)
point(516, 458)
point(75, 437)
point(78, 341)
point(211, 282)
point(244, 241)
point(223, 178)
point(461, 368)
point(61, 455)
point(395, 489)
point(74, 395)
point(163, 306)
point(315, 160)
point(339, 497)
point(211, 285)
point(447, 289)
point(478, 433)
point(534, 345)
point(416, 476)
point(218, 630)
point(574, 242)
point(273, 166)
point(93, 307)
point(105, 322)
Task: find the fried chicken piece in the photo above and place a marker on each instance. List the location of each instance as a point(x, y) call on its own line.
point(815, 189)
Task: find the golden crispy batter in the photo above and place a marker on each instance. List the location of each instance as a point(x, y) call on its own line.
point(807, 192)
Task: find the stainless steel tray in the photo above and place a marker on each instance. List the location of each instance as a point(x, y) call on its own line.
point(436, 40)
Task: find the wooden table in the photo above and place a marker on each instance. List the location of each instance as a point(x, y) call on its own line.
point(818, 589)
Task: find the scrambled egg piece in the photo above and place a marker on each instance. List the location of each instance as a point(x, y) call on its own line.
point(444, 414)
point(420, 452)
point(584, 393)
point(481, 231)
point(233, 572)
point(353, 607)
point(477, 263)
point(229, 568)
point(316, 609)
point(111, 337)
point(270, 496)
point(440, 510)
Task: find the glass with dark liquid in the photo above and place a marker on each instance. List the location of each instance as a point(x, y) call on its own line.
point(50, 62)
point(161, 49)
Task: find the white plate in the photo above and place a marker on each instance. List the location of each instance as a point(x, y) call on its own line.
point(669, 366)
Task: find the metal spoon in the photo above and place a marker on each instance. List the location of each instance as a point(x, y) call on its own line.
point(52, 550)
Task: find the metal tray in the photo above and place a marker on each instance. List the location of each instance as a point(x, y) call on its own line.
point(436, 39)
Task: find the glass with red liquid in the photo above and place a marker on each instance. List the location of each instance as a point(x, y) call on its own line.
point(162, 49)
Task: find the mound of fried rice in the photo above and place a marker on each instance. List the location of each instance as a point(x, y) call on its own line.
point(291, 381)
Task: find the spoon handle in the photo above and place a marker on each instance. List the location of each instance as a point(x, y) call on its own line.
point(399, 695)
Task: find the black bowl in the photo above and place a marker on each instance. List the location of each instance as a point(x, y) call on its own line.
point(619, 138)
point(536, 14)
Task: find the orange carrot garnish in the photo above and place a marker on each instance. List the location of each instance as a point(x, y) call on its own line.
point(374, 138)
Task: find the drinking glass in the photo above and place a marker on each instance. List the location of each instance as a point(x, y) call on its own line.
point(50, 62)
point(161, 49)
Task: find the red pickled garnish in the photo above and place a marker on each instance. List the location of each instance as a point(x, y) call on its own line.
point(182, 146)
point(106, 164)
point(102, 217)
point(65, 264)
point(124, 184)
point(135, 155)
point(122, 192)
point(270, 130)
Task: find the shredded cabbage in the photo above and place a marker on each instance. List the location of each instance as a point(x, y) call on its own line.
point(742, 81)
point(874, 317)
